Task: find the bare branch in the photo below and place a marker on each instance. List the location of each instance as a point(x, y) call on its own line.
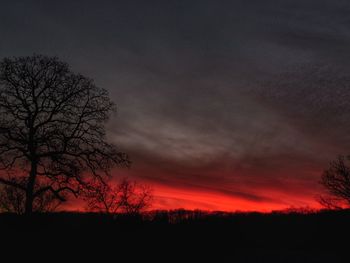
point(125, 197)
point(52, 124)
point(336, 180)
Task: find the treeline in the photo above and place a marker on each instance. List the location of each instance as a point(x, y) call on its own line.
point(179, 216)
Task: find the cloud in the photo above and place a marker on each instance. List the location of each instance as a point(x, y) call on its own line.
point(242, 99)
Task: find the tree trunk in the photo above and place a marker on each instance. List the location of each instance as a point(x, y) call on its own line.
point(30, 189)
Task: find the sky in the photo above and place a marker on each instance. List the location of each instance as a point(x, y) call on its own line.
point(222, 105)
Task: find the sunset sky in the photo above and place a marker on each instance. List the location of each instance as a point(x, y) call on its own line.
point(222, 105)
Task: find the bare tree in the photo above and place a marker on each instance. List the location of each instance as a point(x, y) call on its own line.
point(101, 197)
point(336, 180)
point(134, 197)
point(331, 202)
point(12, 199)
point(127, 197)
point(52, 128)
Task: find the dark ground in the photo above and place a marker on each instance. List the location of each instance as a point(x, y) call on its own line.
point(179, 236)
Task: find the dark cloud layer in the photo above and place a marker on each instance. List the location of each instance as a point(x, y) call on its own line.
point(243, 99)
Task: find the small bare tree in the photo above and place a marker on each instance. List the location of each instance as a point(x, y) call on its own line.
point(336, 180)
point(133, 197)
point(101, 197)
point(52, 128)
point(127, 197)
point(331, 202)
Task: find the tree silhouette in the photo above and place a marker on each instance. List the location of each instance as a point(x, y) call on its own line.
point(12, 199)
point(127, 197)
point(52, 130)
point(336, 180)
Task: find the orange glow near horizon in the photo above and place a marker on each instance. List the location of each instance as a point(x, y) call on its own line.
point(173, 198)
point(169, 198)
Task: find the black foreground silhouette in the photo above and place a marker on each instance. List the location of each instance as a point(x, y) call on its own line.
point(186, 235)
